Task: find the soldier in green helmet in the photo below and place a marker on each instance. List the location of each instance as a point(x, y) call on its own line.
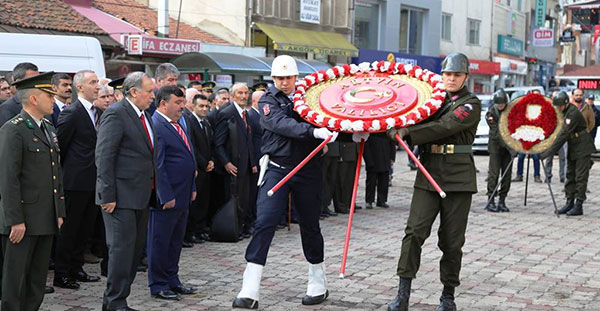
point(445, 141)
point(580, 149)
point(500, 155)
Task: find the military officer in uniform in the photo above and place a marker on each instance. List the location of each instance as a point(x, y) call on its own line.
point(207, 88)
point(32, 207)
point(445, 141)
point(580, 148)
point(287, 139)
point(500, 155)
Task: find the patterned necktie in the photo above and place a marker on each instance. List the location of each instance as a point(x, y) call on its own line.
point(95, 112)
point(245, 118)
point(182, 134)
point(147, 132)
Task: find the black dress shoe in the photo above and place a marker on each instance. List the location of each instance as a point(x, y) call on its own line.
point(142, 268)
point(314, 300)
point(323, 215)
point(48, 290)
point(81, 276)
point(187, 244)
point(51, 264)
point(369, 205)
point(166, 295)
point(342, 212)
point(194, 239)
point(122, 309)
point(357, 206)
point(204, 236)
point(245, 303)
point(246, 235)
point(383, 205)
point(65, 282)
point(183, 290)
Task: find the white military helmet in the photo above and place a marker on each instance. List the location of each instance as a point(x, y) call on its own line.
point(283, 66)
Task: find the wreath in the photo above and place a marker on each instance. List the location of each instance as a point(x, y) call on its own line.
point(428, 95)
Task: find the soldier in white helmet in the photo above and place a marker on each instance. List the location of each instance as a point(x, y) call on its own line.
point(287, 140)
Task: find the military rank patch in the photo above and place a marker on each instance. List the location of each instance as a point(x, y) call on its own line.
point(462, 112)
point(266, 109)
point(17, 120)
point(568, 121)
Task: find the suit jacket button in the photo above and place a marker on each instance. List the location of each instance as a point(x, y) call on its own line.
point(37, 150)
point(54, 190)
point(53, 163)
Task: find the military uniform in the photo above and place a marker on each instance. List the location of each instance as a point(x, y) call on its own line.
point(31, 192)
point(580, 148)
point(499, 160)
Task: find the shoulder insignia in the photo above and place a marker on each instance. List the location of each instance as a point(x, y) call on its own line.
point(29, 124)
point(17, 120)
point(462, 112)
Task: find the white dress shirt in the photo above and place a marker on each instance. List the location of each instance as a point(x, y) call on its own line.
point(139, 114)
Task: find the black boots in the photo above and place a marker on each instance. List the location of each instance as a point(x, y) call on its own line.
point(567, 207)
point(501, 205)
point(447, 300)
point(491, 206)
point(400, 303)
point(577, 209)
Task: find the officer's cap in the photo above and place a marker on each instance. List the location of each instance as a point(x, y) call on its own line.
point(500, 97)
point(208, 86)
point(41, 82)
point(260, 86)
point(284, 66)
point(456, 62)
point(561, 99)
point(117, 83)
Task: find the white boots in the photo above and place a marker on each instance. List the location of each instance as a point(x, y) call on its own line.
point(316, 291)
point(248, 296)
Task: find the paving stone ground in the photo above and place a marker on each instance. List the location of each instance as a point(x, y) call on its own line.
point(527, 259)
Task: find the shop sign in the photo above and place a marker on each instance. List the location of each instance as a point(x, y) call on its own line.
point(540, 13)
point(487, 68)
point(223, 79)
point(543, 37)
point(511, 65)
point(310, 11)
point(588, 84)
point(511, 46)
point(138, 45)
point(567, 36)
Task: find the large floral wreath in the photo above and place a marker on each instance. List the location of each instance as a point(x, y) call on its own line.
point(415, 116)
point(531, 120)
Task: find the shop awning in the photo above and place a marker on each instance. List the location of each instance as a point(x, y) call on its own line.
point(582, 5)
point(308, 41)
point(215, 62)
point(305, 66)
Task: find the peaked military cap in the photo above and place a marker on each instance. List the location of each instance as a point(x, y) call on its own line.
point(117, 83)
point(208, 86)
point(260, 86)
point(41, 82)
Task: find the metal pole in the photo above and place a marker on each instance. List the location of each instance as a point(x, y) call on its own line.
point(550, 189)
point(508, 168)
point(527, 180)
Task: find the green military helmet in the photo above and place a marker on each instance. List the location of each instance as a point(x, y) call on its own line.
point(456, 62)
point(561, 99)
point(500, 97)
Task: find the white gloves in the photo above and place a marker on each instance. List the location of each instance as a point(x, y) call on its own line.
point(323, 133)
point(357, 137)
point(401, 132)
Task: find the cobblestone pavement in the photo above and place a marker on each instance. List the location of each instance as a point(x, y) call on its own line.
point(527, 259)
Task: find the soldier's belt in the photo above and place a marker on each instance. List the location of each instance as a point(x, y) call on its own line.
point(447, 149)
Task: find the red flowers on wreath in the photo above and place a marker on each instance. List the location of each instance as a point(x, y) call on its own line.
point(531, 120)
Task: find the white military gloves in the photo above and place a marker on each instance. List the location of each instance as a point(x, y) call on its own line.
point(323, 133)
point(357, 137)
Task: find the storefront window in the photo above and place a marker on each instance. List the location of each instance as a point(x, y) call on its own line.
point(411, 31)
point(447, 27)
point(474, 31)
point(366, 26)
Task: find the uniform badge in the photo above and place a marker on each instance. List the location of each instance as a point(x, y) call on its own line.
point(568, 121)
point(266, 109)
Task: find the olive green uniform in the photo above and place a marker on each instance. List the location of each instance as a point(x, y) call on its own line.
point(500, 156)
point(31, 193)
point(445, 140)
point(580, 148)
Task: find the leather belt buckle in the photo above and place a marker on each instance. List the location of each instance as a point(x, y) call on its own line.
point(437, 149)
point(449, 149)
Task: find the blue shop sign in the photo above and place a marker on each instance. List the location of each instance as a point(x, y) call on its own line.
point(427, 62)
point(511, 46)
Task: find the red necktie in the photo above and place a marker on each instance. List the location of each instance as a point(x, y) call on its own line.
point(244, 118)
point(147, 132)
point(182, 134)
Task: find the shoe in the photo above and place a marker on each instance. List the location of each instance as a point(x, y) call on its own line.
point(330, 212)
point(48, 290)
point(491, 206)
point(537, 179)
point(447, 300)
point(205, 237)
point(369, 205)
point(577, 209)
point(166, 295)
point(142, 268)
point(518, 178)
point(548, 180)
point(103, 273)
point(65, 282)
point(567, 207)
point(413, 167)
point(194, 239)
point(324, 215)
point(187, 244)
point(184, 290)
point(51, 264)
point(357, 207)
point(502, 205)
point(562, 180)
point(246, 235)
point(383, 205)
point(123, 309)
point(400, 303)
point(91, 258)
point(245, 303)
point(81, 276)
point(314, 300)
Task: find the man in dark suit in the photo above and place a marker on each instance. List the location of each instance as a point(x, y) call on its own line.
point(32, 205)
point(233, 142)
point(77, 140)
point(346, 170)
point(12, 106)
point(221, 101)
point(126, 170)
point(257, 133)
point(201, 137)
point(61, 84)
point(175, 189)
point(379, 154)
